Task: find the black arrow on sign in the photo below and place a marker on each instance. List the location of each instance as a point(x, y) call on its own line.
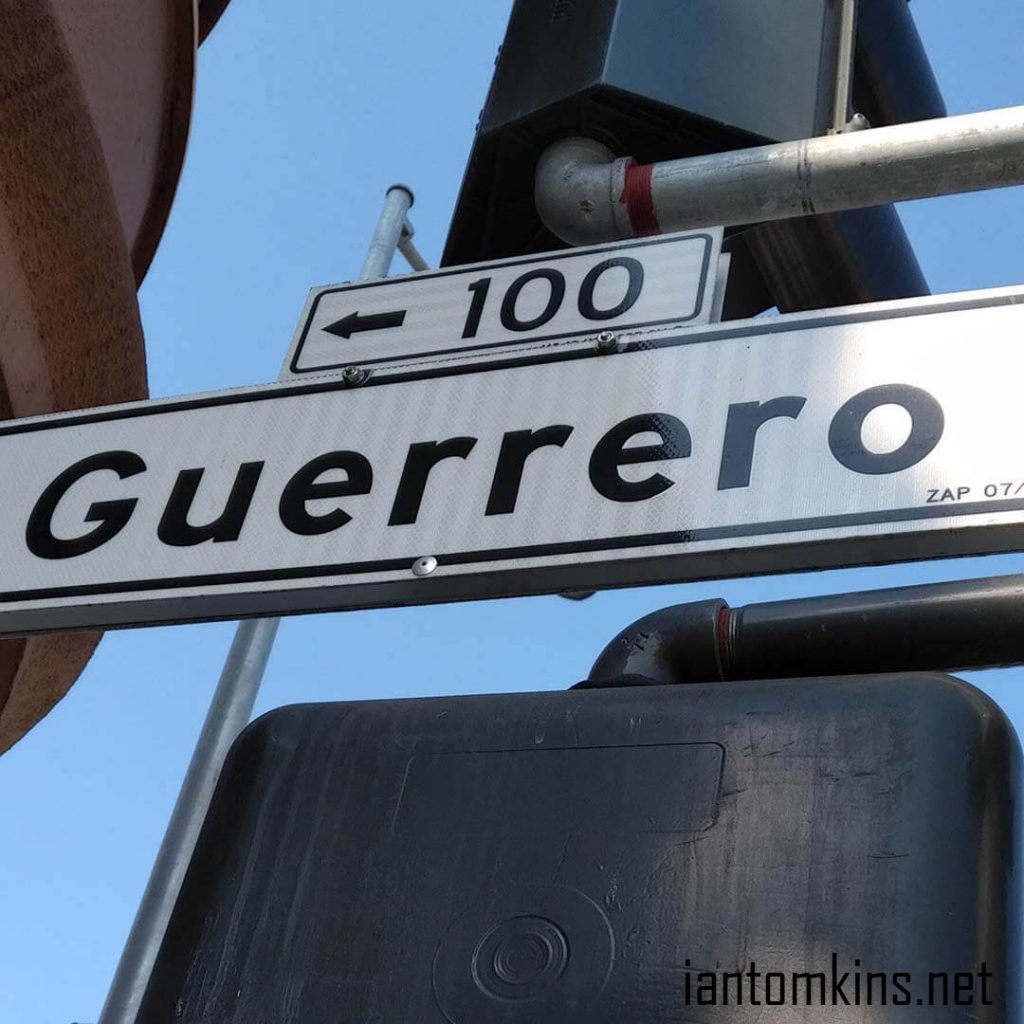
point(353, 323)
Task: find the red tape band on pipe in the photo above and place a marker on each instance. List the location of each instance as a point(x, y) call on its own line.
point(639, 201)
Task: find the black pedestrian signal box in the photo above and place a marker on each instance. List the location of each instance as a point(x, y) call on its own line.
point(599, 856)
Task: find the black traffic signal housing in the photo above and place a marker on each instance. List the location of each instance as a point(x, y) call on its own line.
point(573, 857)
point(657, 80)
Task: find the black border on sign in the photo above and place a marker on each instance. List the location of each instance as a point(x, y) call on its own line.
point(629, 542)
point(697, 534)
point(510, 342)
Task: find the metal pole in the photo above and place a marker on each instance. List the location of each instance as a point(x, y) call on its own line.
point(388, 233)
point(844, 66)
point(229, 713)
point(585, 195)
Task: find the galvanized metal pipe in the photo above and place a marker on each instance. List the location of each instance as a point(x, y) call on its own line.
point(229, 713)
point(844, 65)
point(585, 195)
point(388, 233)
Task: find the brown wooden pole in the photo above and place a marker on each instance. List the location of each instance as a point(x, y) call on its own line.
point(70, 333)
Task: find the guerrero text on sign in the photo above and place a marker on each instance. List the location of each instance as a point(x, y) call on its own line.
point(851, 436)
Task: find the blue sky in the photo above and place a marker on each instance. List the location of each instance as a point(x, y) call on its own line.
point(305, 113)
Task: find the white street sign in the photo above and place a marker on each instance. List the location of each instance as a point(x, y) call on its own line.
point(512, 310)
point(850, 436)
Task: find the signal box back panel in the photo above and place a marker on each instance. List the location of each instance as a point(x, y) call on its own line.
point(590, 857)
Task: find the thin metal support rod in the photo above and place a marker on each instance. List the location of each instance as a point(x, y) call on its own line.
point(229, 713)
point(844, 65)
point(412, 255)
point(585, 195)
